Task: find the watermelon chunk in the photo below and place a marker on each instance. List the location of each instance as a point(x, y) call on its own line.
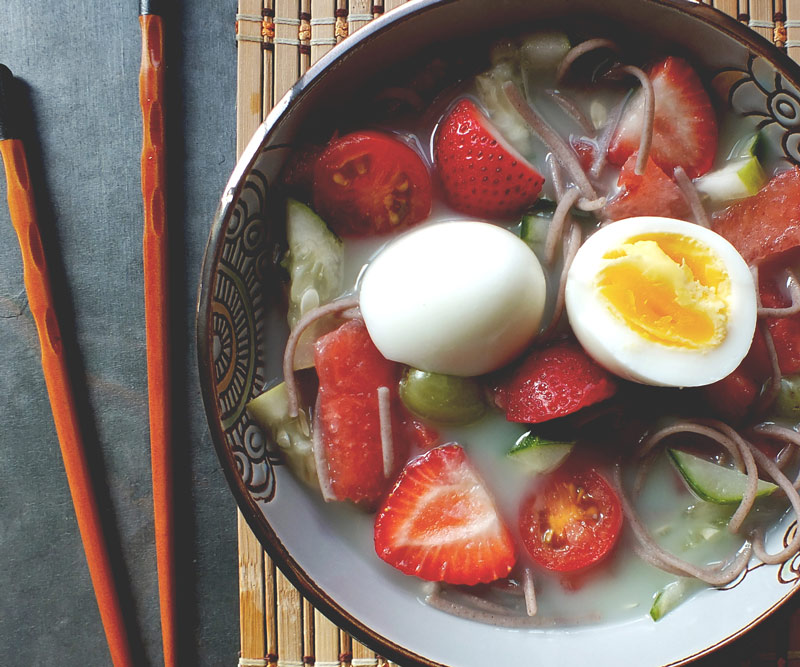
point(785, 330)
point(652, 193)
point(767, 223)
point(420, 434)
point(732, 397)
point(350, 371)
point(586, 149)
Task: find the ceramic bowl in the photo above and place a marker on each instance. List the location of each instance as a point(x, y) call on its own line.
point(336, 569)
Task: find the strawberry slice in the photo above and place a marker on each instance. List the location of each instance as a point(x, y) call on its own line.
point(684, 125)
point(767, 223)
point(440, 523)
point(482, 175)
point(350, 370)
point(555, 381)
point(652, 193)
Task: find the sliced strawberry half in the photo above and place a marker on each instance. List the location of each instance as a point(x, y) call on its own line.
point(440, 523)
point(652, 193)
point(351, 370)
point(482, 174)
point(684, 126)
point(555, 381)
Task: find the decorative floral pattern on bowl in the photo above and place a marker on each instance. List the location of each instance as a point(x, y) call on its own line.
point(760, 91)
point(237, 322)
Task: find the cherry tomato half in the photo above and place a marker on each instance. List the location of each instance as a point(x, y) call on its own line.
point(572, 521)
point(371, 182)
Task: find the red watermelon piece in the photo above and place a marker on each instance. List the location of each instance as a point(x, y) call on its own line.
point(652, 193)
point(785, 331)
point(350, 371)
point(766, 224)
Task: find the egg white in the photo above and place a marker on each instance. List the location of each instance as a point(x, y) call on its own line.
point(459, 298)
point(623, 351)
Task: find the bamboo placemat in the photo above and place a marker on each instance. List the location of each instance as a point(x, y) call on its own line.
point(278, 40)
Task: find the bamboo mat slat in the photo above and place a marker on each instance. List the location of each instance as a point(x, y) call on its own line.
point(730, 7)
point(278, 40)
point(323, 27)
point(761, 15)
point(793, 28)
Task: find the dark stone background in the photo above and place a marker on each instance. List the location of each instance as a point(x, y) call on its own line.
point(79, 61)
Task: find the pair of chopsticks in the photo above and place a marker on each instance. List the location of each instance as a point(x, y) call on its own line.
point(54, 365)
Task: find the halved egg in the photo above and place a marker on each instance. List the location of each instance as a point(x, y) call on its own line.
point(662, 302)
point(459, 298)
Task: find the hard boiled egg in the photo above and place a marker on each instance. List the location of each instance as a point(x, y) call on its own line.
point(662, 302)
point(460, 298)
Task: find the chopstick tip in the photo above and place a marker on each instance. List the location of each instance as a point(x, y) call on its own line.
point(147, 7)
point(8, 100)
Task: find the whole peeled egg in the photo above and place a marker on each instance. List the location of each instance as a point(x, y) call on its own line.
point(662, 302)
point(459, 298)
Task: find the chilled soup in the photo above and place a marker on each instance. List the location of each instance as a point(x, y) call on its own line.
point(620, 585)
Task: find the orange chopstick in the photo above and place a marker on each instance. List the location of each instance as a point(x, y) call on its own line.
point(156, 291)
point(59, 389)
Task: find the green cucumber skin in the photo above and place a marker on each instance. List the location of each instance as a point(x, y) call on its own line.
point(270, 411)
point(736, 180)
point(683, 462)
point(539, 456)
point(671, 596)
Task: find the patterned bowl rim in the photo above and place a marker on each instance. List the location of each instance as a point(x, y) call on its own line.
point(250, 509)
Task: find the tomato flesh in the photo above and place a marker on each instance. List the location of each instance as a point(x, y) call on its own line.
point(371, 183)
point(572, 521)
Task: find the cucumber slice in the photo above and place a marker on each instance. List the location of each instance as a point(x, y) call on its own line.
point(504, 117)
point(504, 51)
point(533, 229)
point(712, 482)
point(270, 411)
point(736, 180)
point(746, 147)
point(672, 595)
point(543, 51)
point(539, 455)
point(535, 57)
point(535, 223)
point(315, 262)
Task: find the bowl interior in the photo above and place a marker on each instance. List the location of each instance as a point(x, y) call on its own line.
point(240, 339)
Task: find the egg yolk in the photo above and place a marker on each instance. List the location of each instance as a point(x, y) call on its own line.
point(668, 288)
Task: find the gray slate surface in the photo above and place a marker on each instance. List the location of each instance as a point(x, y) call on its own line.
point(80, 61)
